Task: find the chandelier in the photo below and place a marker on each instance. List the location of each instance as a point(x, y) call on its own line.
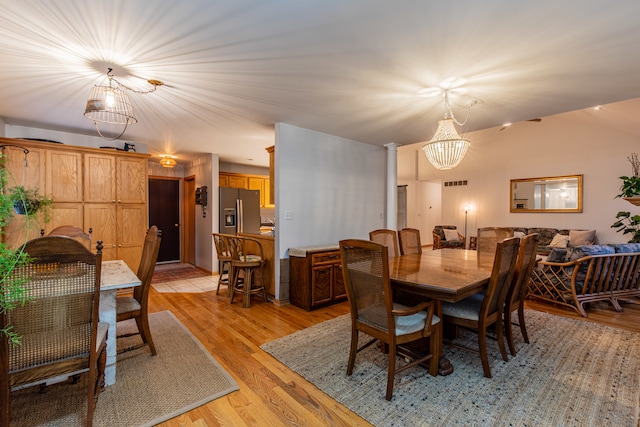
point(447, 148)
point(111, 104)
point(167, 161)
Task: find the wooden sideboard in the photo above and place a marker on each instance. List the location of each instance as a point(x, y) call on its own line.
point(315, 277)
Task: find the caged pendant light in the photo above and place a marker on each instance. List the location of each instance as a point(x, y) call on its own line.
point(447, 148)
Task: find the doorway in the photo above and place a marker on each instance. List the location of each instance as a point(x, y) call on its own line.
point(164, 212)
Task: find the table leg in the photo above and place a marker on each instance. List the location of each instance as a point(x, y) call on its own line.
point(107, 314)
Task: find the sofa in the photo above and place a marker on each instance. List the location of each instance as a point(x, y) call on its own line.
point(548, 239)
point(440, 241)
point(578, 275)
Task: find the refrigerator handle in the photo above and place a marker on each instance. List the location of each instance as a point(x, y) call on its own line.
point(240, 213)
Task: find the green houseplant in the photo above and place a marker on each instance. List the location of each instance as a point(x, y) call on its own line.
point(630, 187)
point(29, 201)
point(628, 224)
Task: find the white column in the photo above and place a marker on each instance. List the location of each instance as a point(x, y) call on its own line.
point(392, 185)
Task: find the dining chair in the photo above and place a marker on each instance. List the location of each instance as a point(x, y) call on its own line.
point(481, 310)
point(455, 240)
point(527, 258)
point(247, 267)
point(136, 306)
point(365, 267)
point(489, 237)
point(60, 335)
point(387, 237)
point(75, 233)
point(223, 251)
point(409, 241)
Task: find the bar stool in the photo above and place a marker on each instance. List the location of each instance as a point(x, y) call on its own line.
point(250, 265)
point(221, 242)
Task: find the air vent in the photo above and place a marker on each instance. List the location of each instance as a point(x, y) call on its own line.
point(455, 183)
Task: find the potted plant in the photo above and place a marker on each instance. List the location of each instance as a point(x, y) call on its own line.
point(29, 201)
point(630, 188)
point(628, 224)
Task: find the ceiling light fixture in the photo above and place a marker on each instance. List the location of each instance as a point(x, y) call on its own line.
point(111, 104)
point(447, 148)
point(167, 161)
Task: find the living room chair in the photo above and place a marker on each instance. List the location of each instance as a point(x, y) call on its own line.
point(60, 335)
point(386, 237)
point(455, 240)
point(409, 241)
point(73, 232)
point(481, 310)
point(136, 306)
point(223, 251)
point(365, 266)
point(249, 266)
point(527, 257)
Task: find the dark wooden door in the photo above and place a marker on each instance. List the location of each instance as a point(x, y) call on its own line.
point(164, 212)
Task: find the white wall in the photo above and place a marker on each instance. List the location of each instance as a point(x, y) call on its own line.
point(333, 188)
point(591, 142)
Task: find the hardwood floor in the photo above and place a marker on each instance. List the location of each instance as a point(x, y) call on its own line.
point(271, 394)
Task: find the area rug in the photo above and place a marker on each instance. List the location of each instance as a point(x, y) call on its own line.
point(148, 389)
point(573, 373)
point(178, 273)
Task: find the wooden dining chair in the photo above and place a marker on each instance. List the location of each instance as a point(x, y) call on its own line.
point(481, 310)
point(489, 237)
point(387, 237)
point(136, 306)
point(525, 264)
point(73, 232)
point(409, 241)
point(365, 267)
point(60, 335)
point(223, 252)
point(247, 267)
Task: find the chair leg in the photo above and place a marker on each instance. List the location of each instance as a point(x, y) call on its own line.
point(509, 330)
point(246, 294)
point(353, 350)
point(500, 337)
point(391, 370)
point(523, 327)
point(145, 332)
point(482, 345)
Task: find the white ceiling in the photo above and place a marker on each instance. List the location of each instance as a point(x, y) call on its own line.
point(351, 68)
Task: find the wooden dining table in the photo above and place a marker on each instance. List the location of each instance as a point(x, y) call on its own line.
point(115, 275)
point(443, 275)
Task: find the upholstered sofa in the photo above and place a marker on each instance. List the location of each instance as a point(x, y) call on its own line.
point(547, 235)
point(440, 241)
point(578, 275)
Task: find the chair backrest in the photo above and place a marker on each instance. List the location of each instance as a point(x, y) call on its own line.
point(409, 241)
point(222, 244)
point(504, 264)
point(524, 266)
point(365, 266)
point(389, 238)
point(59, 322)
point(147, 266)
point(73, 232)
point(245, 249)
point(489, 237)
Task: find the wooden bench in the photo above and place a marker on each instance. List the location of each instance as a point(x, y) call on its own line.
point(591, 278)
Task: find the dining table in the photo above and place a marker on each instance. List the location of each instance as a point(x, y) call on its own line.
point(442, 275)
point(115, 275)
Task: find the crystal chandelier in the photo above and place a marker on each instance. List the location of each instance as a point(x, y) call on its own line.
point(111, 104)
point(447, 148)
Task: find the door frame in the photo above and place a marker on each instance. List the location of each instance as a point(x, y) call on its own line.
point(189, 220)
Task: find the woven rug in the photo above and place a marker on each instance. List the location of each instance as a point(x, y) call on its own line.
point(148, 389)
point(573, 373)
point(177, 273)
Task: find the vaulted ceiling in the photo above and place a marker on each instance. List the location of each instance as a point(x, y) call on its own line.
point(349, 68)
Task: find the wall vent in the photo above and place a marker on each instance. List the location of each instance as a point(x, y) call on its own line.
point(455, 183)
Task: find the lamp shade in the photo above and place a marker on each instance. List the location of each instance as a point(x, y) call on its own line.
point(167, 162)
point(447, 148)
point(109, 104)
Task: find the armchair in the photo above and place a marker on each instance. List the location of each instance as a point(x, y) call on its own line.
point(440, 240)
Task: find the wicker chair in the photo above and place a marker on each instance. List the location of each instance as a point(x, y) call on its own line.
point(409, 241)
point(518, 290)
point(59, 328)
point(440, 241)
point(386, 237)
point(365, 266)
point(246, 268)
point(481, 310)
point(489, 237)
point(136, 306)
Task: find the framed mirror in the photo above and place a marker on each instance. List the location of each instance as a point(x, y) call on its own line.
point(547, 194)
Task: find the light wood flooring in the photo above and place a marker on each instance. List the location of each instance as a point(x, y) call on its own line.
point(271, 394)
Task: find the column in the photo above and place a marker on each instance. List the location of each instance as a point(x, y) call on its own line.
point(392, 185)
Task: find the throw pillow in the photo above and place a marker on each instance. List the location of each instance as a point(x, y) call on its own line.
point(559, 241)
point(582, 237)
point(557, 255)
point(518, 234)
point(451, 235)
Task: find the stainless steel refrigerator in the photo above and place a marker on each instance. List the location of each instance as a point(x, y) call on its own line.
point(239, 211)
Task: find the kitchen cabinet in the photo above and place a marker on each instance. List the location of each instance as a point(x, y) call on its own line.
point(315, 277)
point(247, 182)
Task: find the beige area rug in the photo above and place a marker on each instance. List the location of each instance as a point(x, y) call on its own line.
point(573, 373)
point(148, 390)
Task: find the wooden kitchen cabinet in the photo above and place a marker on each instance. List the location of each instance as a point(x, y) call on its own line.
point(64, 176)
point(248, 182)
point(315, 277)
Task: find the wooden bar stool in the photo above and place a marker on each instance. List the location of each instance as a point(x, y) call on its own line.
point(250, 265)
point(223, 251)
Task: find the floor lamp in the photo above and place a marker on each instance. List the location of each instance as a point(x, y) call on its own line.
point(466, 216)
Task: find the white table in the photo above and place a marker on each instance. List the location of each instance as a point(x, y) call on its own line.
point(115, 275)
